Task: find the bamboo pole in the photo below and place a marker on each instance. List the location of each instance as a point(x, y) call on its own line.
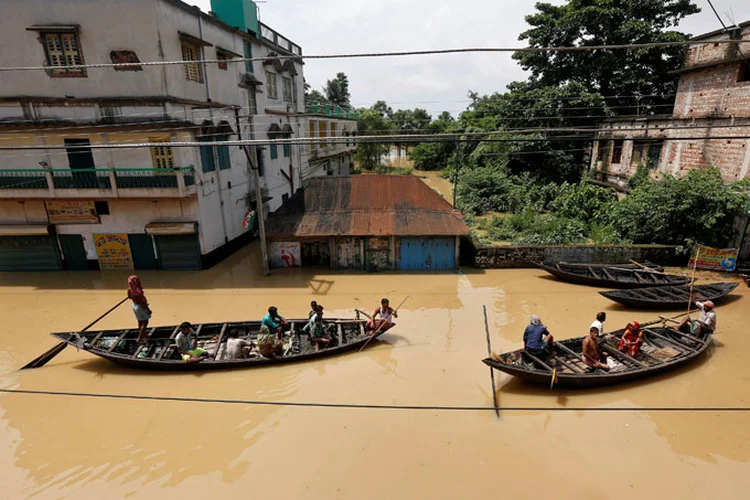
point(489, 354)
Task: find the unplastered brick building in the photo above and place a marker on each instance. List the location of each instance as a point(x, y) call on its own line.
point(709, 125)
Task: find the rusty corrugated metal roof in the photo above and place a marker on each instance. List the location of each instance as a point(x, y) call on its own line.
point(365, 205)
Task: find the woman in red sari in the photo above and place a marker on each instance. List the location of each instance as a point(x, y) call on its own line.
point(632, 340)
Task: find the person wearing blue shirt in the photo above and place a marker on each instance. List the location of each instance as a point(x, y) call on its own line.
point(271, 338)
point(536, 339)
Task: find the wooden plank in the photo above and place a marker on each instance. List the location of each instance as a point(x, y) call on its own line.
point(119, 339)
point(673, 342)
point(98, 336)
point(169, 343)
point(604, 270)
point(340, 333)
point(621, 355)
point(567, 365)
point(537, 360)
point(362, 329)
point(685, 335)
point(221, 337)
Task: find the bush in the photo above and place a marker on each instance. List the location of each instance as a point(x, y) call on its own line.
point(583, 201)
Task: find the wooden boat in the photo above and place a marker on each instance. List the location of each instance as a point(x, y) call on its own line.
point(665, 297)
point(611, 276)
point(663, 349)
point(628, 265)
point(160, 353)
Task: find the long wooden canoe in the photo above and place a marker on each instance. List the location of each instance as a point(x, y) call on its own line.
point(664, 349)
point(160, 353)
point(624, 265)
point(611, 276)
point(669, 297)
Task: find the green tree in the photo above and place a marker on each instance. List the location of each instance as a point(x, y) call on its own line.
point(699, 207)
point(371, 122)
point(337, 91)
point(382, 108)
point(620, 72)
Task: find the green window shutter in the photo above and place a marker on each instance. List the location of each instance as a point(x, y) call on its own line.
point(274, 151)
point(207, 156)
point(287, 147)
point(248, 55)
point(224, 161)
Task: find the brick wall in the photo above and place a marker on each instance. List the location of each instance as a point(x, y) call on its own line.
point(712, 91)
point(528, 256)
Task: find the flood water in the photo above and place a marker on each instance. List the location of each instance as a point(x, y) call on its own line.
point(54, 446)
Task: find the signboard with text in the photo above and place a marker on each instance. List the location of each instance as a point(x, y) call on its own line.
point(715, 259)
point(113, 251)
point(71, 212)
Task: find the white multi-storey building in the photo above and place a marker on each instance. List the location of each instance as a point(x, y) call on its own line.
point(70, 204)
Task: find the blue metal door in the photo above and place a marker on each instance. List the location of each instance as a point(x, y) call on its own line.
point(428, 253)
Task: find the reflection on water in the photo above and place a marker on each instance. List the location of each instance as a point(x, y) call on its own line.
point(55, 446)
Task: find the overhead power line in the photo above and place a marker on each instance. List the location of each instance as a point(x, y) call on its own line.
point(573, 48)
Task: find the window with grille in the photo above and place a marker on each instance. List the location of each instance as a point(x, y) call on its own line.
point(252, 102)
point(222, 57)
point(287, 82)
point(273, 90)
point(248, 50)
point(63, 50)
point(193, 71)
point(323, 132)
point(162, 156)
point(313, 144)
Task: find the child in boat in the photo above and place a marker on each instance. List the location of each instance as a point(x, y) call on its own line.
point(632, 340)
point(313, 309)
point(593, 355)
point(140, 306)
point(601, 317)
point(318, 334)
point(238, 348)
point(187, 345)
point(386, 313)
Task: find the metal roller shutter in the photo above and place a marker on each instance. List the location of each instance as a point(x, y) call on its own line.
point(178, 252)
point(428, 253)
point(29, 253)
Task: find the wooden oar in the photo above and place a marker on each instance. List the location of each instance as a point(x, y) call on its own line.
point(645, 268)
point(381, 325)
point(45, 358)
point(692, 282)
point(490, 354)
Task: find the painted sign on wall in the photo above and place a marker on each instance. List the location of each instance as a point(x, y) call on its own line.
point(113, 251)
point(71, 212)
point(716, 259)
point(285, 254)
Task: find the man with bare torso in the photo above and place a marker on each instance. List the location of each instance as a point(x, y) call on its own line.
point(593, 355)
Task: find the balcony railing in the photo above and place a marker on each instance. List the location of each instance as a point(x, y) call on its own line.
point(278, 40)
point(329, 110)
point(62, 180)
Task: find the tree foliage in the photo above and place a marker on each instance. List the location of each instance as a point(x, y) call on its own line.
point(337, 91)
point(699, 207)
point(370, 121)
point(607, 22)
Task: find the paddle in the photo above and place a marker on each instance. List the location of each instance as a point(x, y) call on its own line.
point(362, 312)
point(45, 358)
point(692, 282)
point(381, 325)
point(491, 355)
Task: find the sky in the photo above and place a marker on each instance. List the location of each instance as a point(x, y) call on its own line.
point(434, 82)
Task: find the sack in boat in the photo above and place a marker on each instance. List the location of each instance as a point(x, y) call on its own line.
point(666, 353)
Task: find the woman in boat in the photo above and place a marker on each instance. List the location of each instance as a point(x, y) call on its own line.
point(270, 340)
point(140, 306)
point(632, 340)
point(386, 313)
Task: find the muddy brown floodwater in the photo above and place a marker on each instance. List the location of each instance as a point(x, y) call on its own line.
point(55, 446)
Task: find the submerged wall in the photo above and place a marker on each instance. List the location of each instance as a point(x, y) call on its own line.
point(529, 256)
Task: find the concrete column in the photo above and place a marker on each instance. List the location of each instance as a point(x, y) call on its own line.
point(180, 181)
point(746, 161)
point(47, 166)
point(110, 165)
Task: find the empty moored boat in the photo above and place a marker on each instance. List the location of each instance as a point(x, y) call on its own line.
point(612, 276)
point(663, 349)
point(669, 297)
point(160, 353)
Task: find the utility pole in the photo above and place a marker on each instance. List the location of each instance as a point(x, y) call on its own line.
point(251, 159)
